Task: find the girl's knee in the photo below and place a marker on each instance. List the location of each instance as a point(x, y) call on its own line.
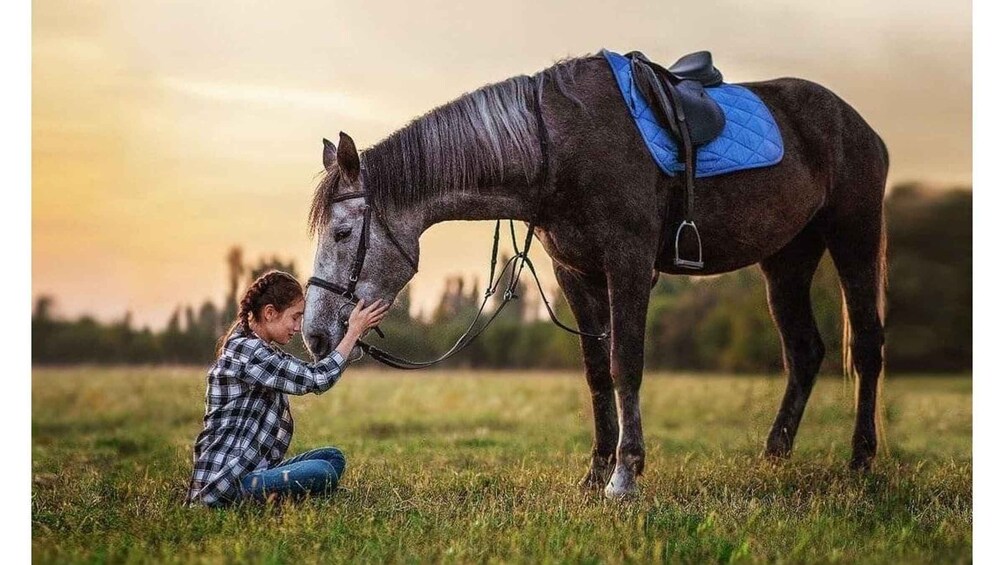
point(319, 475)
point(330, 461)
point(338, 464)
point(335, 457)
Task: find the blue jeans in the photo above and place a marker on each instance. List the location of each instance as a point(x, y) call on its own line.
point(315, 472)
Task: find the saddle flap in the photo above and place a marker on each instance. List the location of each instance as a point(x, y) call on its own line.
point(651, 88)
point(705, 118)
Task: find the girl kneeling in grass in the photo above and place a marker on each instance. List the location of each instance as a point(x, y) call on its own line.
point(247, 426)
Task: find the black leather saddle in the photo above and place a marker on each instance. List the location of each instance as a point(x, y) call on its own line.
point(692, 116)
point(677, 93)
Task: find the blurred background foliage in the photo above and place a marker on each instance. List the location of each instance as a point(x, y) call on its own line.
point(716, 324)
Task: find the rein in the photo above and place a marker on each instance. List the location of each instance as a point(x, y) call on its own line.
point(518, 261)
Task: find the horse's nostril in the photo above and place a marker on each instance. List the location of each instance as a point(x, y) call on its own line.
point(318, 345)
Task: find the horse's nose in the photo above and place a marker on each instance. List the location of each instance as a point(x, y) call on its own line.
point(319, 345)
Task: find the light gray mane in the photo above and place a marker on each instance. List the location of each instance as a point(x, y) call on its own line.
point(476, 140)
point(488, 137)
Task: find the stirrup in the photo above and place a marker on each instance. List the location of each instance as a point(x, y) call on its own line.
point(687, 263)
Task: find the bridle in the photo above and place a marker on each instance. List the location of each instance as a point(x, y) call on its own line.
point(349, 292)
point(518, 261)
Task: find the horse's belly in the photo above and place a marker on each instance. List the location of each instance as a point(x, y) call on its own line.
point(713, 263)
point(742, 219)
point(724, 247)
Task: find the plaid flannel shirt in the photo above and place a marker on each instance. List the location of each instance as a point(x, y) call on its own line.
point(247, 423)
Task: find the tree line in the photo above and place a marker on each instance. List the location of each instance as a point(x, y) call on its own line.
point(717, 323)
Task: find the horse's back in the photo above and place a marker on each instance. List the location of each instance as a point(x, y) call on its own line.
point(818, 117)
point(743, 216)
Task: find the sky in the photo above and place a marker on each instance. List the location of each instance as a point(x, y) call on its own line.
point(166, 132)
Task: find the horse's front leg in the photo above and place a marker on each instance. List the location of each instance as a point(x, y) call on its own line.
point(589, 304)
point(629, 294)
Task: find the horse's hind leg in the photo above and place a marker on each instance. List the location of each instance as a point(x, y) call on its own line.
point(590, 306)
point(789, 278)
point(857, 245)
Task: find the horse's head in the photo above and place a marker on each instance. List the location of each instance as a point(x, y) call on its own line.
point(361, 253)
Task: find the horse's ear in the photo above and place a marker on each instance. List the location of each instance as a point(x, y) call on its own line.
point(348, 158)
point(328, 155)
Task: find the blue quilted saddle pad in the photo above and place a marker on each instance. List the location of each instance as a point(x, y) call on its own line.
point(751, 138)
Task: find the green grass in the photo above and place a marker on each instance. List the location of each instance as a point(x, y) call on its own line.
point(482, 468)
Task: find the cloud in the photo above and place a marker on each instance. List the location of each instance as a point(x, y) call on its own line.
point(326, 100)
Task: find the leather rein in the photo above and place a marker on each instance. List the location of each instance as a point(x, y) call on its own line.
point(518, 261)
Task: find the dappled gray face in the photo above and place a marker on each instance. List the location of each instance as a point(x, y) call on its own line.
point(384, 273)
point(339, 226)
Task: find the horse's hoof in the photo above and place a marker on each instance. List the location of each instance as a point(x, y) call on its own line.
point(861, 463)
point(777, 449)
point(620, 494)
point(775, 459)
point(622, 485)
point(776, 456)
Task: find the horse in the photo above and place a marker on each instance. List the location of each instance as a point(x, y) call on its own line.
point(559, 151)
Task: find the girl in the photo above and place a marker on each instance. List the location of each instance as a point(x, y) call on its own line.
point(238, 454)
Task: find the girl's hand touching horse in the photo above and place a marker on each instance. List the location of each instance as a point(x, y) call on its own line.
point(364, 318)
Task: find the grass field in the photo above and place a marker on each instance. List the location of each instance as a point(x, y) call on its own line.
point(482, 468)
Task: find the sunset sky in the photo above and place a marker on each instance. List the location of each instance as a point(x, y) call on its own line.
point(165, 132)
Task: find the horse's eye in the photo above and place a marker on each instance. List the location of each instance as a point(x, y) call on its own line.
point(342, 234)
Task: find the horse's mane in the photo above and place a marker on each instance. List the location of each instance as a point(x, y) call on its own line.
point(472, 141)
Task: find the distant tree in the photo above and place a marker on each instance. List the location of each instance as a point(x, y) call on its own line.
point(173, 342)
point(190, 325)
point(42, 312)
point(43, 326)
point(235, 270)
point(930, 297)
point(121, 335)
point(265, 265)
point(209, 320)
point(453, 301)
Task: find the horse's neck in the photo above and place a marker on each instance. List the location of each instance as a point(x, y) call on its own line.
point(516, 203)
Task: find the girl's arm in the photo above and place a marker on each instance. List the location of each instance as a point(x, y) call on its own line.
point(270, 369)
point(292, 376)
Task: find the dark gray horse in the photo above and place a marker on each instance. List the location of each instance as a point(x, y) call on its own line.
point(600, 206)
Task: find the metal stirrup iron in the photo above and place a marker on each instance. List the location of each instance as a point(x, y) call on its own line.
point(689, 166)
point(687, 263)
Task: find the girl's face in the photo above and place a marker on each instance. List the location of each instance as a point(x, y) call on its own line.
point(280, 327)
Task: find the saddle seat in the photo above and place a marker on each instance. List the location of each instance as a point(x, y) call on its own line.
point(678, 92)
point(697, 66)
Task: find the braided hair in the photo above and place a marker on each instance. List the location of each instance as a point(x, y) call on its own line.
point(278, 288)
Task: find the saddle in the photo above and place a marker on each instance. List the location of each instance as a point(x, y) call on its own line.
point(689, 114)
point(683, 82)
